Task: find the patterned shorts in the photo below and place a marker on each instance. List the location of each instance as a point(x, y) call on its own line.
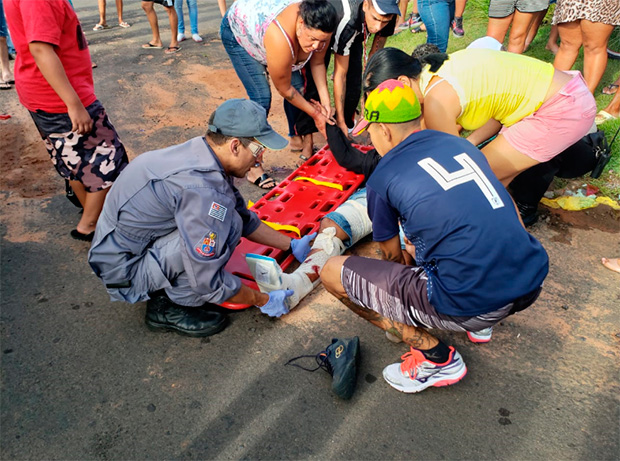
point(95, 159)
point(399, 293)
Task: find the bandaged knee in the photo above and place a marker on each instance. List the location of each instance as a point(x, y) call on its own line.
point(354, 213)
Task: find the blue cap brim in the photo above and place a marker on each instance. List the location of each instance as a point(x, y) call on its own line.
point(272, 141)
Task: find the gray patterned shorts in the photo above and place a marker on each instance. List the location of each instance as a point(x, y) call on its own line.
point(94, 159)
point(398, 292)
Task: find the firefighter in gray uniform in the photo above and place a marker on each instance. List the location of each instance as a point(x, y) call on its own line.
point(173, 218)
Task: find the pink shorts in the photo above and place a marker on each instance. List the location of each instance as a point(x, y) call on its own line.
point(559, 123)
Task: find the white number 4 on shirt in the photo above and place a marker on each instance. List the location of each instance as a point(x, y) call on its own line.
point(469, 172)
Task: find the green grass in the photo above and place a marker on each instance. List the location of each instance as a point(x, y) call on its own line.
point(475, 23)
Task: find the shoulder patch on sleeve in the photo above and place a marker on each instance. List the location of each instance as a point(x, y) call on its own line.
point(206, 246)
point(218, 211)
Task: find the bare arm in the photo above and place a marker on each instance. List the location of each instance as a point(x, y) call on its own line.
point(50, 66)
point(222, 5)
point(279, 65)
point(265, 235)
point(441, 112)
point(484, 132)
point(319, 74)
point(341, 67)
point(391, 250)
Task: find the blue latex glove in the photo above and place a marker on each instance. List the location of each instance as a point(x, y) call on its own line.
point(301, 247)
point(276, 306)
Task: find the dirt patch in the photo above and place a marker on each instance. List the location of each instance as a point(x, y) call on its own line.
point(602, 217)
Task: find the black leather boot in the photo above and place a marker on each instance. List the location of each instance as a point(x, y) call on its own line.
point(163, 314)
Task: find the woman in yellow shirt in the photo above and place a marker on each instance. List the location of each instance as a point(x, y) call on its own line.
point(537, 110)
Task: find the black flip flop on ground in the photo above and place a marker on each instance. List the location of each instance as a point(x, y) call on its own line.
point(77, 235)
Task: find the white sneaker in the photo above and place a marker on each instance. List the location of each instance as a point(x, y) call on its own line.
point(416, 373)
point(481, 336)
point(180, 37)
point(197, 38)
point(269, 277)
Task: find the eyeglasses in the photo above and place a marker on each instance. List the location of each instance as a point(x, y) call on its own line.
point(256, 149)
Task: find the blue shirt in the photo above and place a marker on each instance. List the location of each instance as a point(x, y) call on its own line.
point(462, 221)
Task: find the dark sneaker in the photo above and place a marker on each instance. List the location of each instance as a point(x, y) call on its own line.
point(163, 314)
point(529, 213)
point(413, 23)
point(339, 359)
point(457, 27)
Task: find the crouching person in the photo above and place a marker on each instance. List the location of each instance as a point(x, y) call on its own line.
point(475, 263)
point(173, 219)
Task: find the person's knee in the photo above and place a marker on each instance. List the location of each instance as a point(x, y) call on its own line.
point(330, 275)
point(147, 6)
point(326, 223)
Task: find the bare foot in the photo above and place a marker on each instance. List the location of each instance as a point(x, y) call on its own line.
point(307, 150)
point(612, 264)
point(296, 144)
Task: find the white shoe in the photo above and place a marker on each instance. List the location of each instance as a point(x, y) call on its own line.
point(481, 336)
point(269, 277)
point(197, 38)
point(416, 373)
point(180, 37)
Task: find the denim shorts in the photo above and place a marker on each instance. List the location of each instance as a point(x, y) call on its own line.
point(4, 31)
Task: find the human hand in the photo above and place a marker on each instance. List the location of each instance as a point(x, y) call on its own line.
point(80, 120)
point(344, 128)
point(301, 247)
point(409, 247)
point(321, 116)
point(276, 306)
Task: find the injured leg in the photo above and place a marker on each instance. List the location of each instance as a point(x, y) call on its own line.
point(349, 223)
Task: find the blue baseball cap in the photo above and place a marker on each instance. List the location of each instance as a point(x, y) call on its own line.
point(385, 7)
point(246, 119)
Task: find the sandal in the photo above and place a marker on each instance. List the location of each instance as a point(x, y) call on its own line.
point(101, 27)
point(172, 49)
point(77, 235)
point(5, 86)
point(603, 117)
point(151, 46)
point(265, 182)
point(610, 89)
point(124, 25)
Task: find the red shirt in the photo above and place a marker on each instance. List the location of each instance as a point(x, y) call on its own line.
point(53, 22)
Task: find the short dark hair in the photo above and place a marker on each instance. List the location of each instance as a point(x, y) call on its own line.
point(391, 63)
point(220, 139)
point(422, 51)
point(319, 14)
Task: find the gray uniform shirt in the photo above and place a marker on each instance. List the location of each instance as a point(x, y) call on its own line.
point(181, 187)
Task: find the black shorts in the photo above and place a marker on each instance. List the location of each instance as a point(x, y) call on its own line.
point(95, 159)
point(399, 293)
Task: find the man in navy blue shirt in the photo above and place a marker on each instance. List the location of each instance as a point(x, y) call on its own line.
point(475, 264)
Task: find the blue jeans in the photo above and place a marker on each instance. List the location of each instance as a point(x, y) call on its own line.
point(253, 75)
point(193, 15)
point(437, 16)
